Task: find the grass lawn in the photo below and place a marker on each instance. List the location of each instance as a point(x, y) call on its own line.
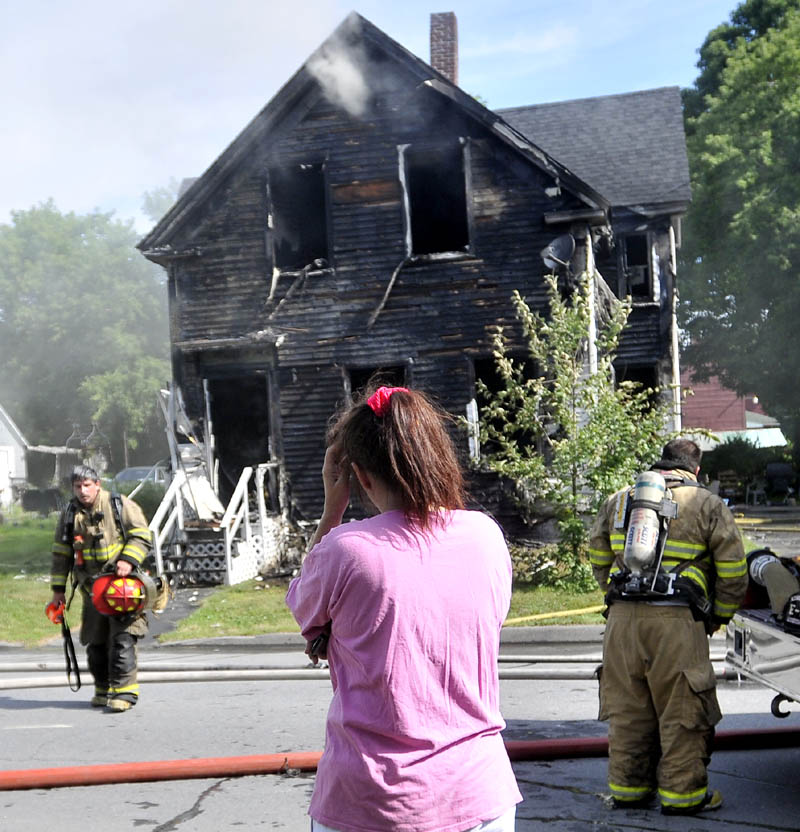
point(25, 543)
point(247, 609)
point(255, 608)
point(541, 601)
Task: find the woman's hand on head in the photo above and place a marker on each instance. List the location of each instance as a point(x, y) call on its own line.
point(336, 481)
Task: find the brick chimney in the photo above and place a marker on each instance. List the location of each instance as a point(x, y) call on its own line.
point(444, 45)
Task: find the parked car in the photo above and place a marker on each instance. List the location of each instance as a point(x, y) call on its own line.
point(157, 473)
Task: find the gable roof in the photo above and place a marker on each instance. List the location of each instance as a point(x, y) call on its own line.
point(12, 428)
point(353, 29)
point(630, 147)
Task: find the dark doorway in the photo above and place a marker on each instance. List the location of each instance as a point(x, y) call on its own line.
point(636, 267)
point(240, 420)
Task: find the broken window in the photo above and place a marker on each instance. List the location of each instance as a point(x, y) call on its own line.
point(357, 379)
point(637, 278)
point(436, 199)
point(298, 215)
point(485, 370)
point(644, 375)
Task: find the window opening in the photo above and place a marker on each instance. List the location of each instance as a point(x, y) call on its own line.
point(636, 267)
point(298, 215)
point(359, 378)
point(437, 199)
point(646, 376)
point(485, 370)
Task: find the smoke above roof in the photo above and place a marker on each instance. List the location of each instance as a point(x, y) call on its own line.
point(338, 67)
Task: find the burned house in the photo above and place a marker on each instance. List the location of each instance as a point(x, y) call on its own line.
point(375, 217)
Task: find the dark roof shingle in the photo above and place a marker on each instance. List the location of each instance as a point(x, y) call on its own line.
point(630, 147)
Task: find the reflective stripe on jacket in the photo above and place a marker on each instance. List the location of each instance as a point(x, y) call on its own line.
point(703, 545)
point(102, 539)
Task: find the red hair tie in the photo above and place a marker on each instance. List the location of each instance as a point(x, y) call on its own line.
point(379, 400)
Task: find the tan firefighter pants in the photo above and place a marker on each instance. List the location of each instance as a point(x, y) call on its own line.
point(658, 693)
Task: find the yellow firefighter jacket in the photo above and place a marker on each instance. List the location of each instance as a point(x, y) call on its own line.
point(703, 545)
point(102, 539)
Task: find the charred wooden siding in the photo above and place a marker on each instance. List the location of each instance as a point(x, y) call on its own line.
point(439, 311)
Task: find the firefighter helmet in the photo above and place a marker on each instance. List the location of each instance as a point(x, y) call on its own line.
point(112, 595)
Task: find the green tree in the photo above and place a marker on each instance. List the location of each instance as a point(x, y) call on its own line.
point(77, 302)
point(748, 21)
point(741, 275)
point(124, 400)
point(566, 436)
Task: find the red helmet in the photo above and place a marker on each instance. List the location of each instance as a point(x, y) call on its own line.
point(116, 596)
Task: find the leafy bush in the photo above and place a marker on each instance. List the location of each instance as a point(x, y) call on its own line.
point(532, 564)
point(561, 429)
point(148, 497)
point(743, 456)
point(563, 565)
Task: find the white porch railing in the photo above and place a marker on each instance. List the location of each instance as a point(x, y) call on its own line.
point(169, 514)
point(236, 513)
point(248, 538)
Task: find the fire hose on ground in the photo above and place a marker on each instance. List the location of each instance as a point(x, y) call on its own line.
point(259, 764)
point(304, 674)
point(211, 767)
point(181, 672)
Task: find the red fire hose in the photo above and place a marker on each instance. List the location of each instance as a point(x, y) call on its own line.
point(206, 767)
point(49, 778)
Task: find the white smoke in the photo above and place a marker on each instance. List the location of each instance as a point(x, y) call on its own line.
point(338, 67)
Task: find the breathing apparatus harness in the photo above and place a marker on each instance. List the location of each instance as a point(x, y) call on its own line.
point(645, 515)
point(109, 594)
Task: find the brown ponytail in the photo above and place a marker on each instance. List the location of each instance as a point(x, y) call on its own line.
point(408, 447)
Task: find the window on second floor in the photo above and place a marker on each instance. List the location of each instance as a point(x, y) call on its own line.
point(357, 379)
point(298, 215)
point(436, 199)
point(636, 268)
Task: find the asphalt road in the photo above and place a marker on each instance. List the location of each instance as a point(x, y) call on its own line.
point(777, 528)
point(53, 727)
point(44, 727)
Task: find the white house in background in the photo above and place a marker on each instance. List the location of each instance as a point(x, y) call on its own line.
point(13, 464)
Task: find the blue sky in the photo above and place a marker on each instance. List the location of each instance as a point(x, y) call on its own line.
point(102, 101)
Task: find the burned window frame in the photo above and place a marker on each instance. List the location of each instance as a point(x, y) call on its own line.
point(397, 374)
point(648, 296)
point(636, 371)
point(473, 407)
point(285, 165)
point(430, 149)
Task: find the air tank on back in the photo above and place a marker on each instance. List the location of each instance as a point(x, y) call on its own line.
point(644, 525)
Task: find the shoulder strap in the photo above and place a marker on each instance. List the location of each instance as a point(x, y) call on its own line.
point(68, 529)
point(116, 505)
point(677, 483)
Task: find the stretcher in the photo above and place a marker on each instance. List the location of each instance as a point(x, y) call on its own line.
point(762, 641)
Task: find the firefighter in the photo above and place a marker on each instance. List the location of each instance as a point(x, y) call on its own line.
point(99, 532)
point(657, 685)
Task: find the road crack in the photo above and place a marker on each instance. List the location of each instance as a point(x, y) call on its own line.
point(193, 812)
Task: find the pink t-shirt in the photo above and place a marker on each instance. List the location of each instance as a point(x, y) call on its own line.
point(413, 733)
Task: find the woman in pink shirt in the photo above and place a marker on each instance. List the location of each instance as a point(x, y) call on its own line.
point(411, 602)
